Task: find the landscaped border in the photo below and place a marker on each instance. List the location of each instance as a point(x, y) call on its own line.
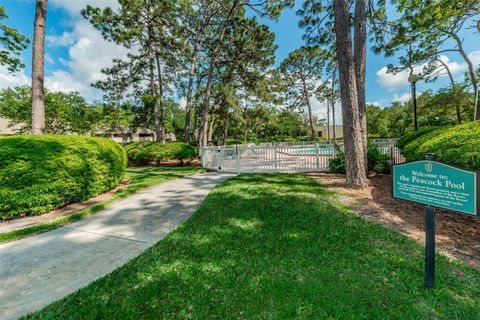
point(119, 195)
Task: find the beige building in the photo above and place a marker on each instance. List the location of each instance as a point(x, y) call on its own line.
point(322, 131)
point(4, 129)
point(142, 134)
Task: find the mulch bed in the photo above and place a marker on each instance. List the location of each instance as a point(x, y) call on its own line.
point(457, 235)
point(171, 163)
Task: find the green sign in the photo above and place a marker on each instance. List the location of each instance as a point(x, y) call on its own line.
point(437, 184)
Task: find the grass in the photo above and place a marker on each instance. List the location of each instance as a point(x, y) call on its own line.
point(140, 178)
point(276, 247)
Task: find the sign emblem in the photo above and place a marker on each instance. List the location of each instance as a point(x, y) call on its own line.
point(428, 167)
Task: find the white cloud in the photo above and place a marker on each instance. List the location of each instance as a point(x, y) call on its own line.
point(88, 52)
point(48, 59)
point(66, 39)
point(393, 82)
point(319, 108)
point(74, 7)
point(403, 97)
point(8, 79)
point(475, 58)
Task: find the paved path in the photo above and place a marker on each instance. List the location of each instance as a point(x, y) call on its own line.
point(41, 269)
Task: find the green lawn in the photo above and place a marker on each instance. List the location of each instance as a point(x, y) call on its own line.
point(277, 247)
point(140, 178)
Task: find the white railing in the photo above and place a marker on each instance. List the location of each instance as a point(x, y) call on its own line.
point(304, 157)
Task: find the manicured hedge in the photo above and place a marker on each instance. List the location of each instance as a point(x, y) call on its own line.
point(412, 135)
point(458, 145)
point(41, 173)
point(148, 152)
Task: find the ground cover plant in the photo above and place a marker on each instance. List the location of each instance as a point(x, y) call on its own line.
point(282, 247)
point(150, 152)
point(456, 145)
point(41, 173)
point(140, 178)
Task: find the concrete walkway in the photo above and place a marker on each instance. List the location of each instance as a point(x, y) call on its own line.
point(41, 269)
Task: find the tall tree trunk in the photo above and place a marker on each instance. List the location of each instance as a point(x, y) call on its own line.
point(161, 99)
point(471, 70)
point(38, 99)
point(333, 104)
point(309, 106)
point(356, 176)
point(454, 88)
point(203, 139)
point(197, 110)
point(227, 123)
point(360, 60)
point(188, 105)
point(328, 121)
point(210, 128)
point(151, 62)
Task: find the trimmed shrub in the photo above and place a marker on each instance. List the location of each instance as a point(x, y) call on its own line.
point(234, 141)
point(41, 173)
point(147, 152)
point(412, 135)
point(458, 145)
point(377, 161)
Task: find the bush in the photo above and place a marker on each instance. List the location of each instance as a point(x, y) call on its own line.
point(377, 161)
point(410, 136)
point(147, 152)
point(458, 145)
point(41, 173)
point(234, 141)
point(337, 163)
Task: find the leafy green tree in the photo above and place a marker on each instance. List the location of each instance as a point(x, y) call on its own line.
point(152, 28)
point(377, 122)
point(12, 43)
point(64, 112)
point(341, 26)
point(302, 69)
point(427, 29)
point(228, 10)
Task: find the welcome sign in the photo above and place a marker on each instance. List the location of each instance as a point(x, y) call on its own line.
point(437, 184)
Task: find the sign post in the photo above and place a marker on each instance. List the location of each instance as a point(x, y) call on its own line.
point(430, 247)
point(429, 240)
point(436, 185)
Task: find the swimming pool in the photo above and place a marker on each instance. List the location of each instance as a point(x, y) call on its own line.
point(321, 150)
point(330, 150)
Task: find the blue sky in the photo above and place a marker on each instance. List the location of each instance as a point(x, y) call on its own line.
point(75, 52)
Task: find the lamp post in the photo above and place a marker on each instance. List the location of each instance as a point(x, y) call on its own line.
point(413, 80)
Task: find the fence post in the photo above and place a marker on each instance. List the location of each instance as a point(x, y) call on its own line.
point(317, 156)
point(275, 157)
point(237, 158)
point(219, 160)
point(392, 160)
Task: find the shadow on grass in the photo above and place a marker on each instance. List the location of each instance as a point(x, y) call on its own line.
point(277, 246)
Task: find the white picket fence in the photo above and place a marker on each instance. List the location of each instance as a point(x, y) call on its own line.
point(300, 157)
